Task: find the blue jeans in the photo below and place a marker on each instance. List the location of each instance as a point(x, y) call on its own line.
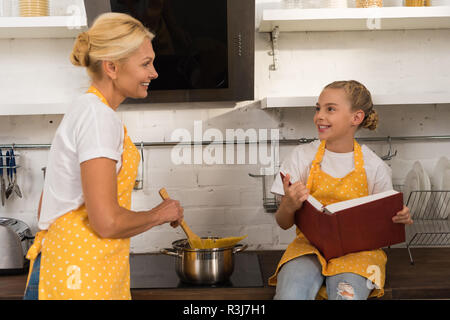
point(32, 291)
point(301, 279)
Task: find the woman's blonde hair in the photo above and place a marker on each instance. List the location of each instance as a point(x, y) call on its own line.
point(361, 99)
point(113, 37)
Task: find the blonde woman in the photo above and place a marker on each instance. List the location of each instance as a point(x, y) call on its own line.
point(82, 251)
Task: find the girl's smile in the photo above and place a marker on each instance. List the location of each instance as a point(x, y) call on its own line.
point(323, 128)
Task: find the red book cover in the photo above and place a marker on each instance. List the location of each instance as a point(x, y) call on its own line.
point(366, 226)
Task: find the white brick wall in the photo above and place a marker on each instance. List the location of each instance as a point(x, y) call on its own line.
point(222, 200)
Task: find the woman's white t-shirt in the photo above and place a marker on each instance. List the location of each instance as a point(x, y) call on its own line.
point(89, 130)
point(338, 165)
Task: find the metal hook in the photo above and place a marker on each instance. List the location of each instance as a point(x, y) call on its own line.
point(142, 151)
point(390, 155)
point(139, 183)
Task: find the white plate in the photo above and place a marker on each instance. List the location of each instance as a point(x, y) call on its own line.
point(392, 3)
point(446, 200)
point(424, 185)
point(437, 184)
point(438, 173)
point(411, 184)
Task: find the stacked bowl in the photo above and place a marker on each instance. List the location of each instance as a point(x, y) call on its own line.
point(33, 8)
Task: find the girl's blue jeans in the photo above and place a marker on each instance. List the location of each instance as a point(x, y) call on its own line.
point(301, 279)
point(32, 290)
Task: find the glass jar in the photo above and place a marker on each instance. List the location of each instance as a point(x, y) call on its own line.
point(414, 3)
point(291, 4)
point(369, 3)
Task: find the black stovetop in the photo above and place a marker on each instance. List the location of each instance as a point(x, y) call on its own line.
point(151, 271)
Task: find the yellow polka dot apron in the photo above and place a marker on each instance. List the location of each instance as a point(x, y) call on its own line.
point(75, 262)
point(328, 190)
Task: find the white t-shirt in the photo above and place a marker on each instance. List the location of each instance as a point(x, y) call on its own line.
point(89, 130)
point(338, 165)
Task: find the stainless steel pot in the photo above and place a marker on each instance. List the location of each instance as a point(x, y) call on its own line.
point(203, 266)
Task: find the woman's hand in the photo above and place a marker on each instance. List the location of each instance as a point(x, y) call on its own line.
point(170, 211)
point(106, 217)
point(403, 216)
point(294, 195)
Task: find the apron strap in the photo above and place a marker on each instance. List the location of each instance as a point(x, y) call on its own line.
point(35, 249)
point(95, 91)
point(358, 155)
point(315, 167)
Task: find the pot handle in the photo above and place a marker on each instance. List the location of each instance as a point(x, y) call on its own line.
point(239, 247)
point(170, 252)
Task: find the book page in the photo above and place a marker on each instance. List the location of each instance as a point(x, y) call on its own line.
point(315, 203)
point(339, 206)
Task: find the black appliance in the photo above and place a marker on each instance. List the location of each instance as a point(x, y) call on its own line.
point(149, 271)
point(204, 48)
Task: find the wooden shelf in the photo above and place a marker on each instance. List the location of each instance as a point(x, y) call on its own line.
point(378, 100)
point(348, 19)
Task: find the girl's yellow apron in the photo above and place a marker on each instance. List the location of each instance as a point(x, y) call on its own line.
point(75, 262)
point(328, 190)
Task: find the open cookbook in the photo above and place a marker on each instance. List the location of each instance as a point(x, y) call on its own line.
point(354, 225)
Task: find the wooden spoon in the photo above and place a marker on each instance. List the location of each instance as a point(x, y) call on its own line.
point(194, 240)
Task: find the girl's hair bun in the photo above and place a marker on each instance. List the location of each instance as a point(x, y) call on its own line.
point(370, 120)
point(80, 52)
point(360, 99)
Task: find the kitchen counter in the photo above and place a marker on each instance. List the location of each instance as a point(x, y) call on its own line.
point(428, 278)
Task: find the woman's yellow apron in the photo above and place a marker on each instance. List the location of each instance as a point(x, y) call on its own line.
point(75, 262)
point(327, 189)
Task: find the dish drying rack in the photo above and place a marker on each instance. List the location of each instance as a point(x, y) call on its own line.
point(429, 211)
point(270, 203)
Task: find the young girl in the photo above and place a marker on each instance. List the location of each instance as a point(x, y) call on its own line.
point(334, 169)
point(83, 249)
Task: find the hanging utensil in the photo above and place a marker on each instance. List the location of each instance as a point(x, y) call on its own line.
point(2, 182)
point(390, 155)
point(15, 185)
point(139, 183)
point(9, 174)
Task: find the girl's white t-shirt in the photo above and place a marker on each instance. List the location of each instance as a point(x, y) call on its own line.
point(338, 165)
point(89, 130)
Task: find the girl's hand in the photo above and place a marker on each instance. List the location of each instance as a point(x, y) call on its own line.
point(403, 216)
point(294, 195)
